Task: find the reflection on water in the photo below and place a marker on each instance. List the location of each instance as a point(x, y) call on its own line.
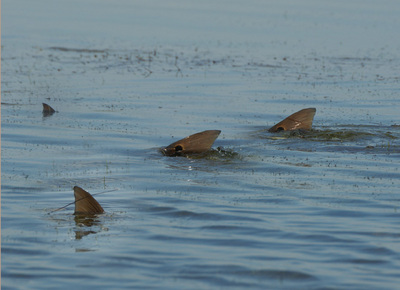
point(84, 225)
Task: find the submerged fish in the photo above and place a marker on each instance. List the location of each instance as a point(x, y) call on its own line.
point(193, 144)
point(300, 120)
point(47, 110)
point(85, 204)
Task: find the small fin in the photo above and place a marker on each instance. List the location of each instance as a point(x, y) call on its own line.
point(47, 110)
point(300, 120)
point(193, 144)
point(85, 203)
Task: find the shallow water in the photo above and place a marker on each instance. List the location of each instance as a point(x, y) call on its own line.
point(306, 210)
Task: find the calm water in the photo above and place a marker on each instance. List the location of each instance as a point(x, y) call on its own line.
point(284, 211)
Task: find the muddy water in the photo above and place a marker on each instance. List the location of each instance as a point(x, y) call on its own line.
point(306, 210)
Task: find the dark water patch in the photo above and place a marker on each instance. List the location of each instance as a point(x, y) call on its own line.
point(8, 250)
point(379, 234)
point(346, 59)
point(214, 281)
point(241, 230)
point(43, 140)
point(79, 50)
point(201, 60)
point(192, 215)
point(248, 273)
point(20, 191)
point(161, 209)
point(219, 242)
point(315, 239)
point(360, 261)
point(257, 212)
point(129, 261)
point(211, 279)
point(9, 104)
point(219, 154)
point(263, 65)
point(343, 213)
point(39, 273)
point(379, 251)
point(8, 274)
point(185, 214)
point(223, 228)
point(273, 201)
point(280, 275)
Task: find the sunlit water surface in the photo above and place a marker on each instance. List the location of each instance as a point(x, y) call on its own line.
point(289, 210)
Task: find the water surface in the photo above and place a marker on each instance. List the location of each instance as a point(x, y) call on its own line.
point(290, 210)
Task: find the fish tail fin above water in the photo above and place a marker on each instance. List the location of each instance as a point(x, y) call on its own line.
point(196, 143)
point(85, 202)
point(300, 120)
point(47, 109)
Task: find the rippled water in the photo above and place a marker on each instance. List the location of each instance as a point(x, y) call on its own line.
point(305, 210)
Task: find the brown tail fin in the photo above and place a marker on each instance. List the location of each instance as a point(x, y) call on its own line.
point(196, 143)
point(300, 120)
point(85, 202)
point(47, 110)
